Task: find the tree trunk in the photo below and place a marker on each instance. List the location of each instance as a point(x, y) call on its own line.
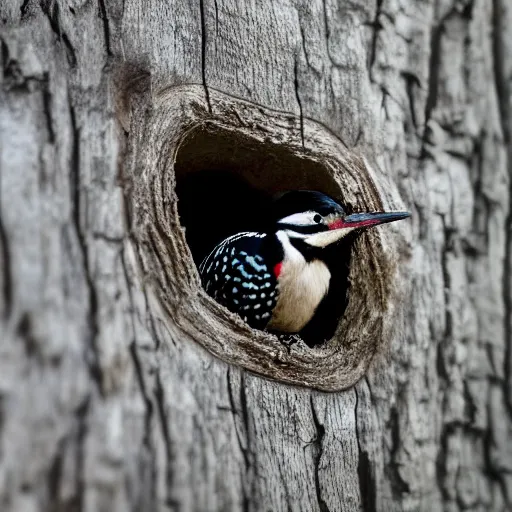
point(108, 402)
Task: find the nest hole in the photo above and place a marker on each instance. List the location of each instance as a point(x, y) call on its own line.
point(213, 168)
point(225, 184)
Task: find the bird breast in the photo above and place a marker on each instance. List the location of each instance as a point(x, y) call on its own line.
point(301, 287)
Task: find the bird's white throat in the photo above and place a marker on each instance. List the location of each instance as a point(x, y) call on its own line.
point(302, 285)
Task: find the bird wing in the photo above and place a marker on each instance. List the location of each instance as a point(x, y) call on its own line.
point(237, 275)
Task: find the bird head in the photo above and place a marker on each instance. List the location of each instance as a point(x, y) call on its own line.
point(319, 221)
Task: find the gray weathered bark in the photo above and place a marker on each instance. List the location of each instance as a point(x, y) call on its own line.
point(106, 404)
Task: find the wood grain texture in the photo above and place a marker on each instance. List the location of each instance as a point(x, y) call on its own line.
point(106, 405)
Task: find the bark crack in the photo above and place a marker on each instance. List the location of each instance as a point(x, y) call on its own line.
point(245, 419)
point(5, 260)
point(136, 360)
point(81, 417)
point(376, 28)
point(297, 96)
point(52, 12)
point(106, 25)
point(447, 431)
point(164, 422)
point(332, 60)
point(216, 18)
point(318, 443)
point(411, 81)
point(303, 38)
point(495, 473)
point(433, 74)
point(203, 54)
point(54, 478)
point(147, 401)
point(74, 177)
point(24, 7)
point(152, 325)
point(448, 326)
point(47, 108)
point(503, 92)
point(234, 411)
point(367, 487)
point(25, 331)
point(399, 486)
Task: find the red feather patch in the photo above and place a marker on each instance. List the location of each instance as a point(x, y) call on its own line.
point(277, 269)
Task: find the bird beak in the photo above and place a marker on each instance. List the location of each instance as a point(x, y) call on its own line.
point(340, 227)
point(364, 220)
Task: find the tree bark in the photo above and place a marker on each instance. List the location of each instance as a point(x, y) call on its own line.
point(107, 405)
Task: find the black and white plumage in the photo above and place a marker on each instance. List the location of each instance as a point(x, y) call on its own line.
point(238, 274)
point(293, 277)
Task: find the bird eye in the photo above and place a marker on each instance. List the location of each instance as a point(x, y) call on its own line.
point(317, 218)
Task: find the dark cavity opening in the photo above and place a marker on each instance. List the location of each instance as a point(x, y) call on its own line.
point(225, 183)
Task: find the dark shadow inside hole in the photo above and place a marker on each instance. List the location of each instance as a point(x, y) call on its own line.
point(214, 204)
point(225, 183)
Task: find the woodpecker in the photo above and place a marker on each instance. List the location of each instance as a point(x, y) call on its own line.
point(293, 276)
